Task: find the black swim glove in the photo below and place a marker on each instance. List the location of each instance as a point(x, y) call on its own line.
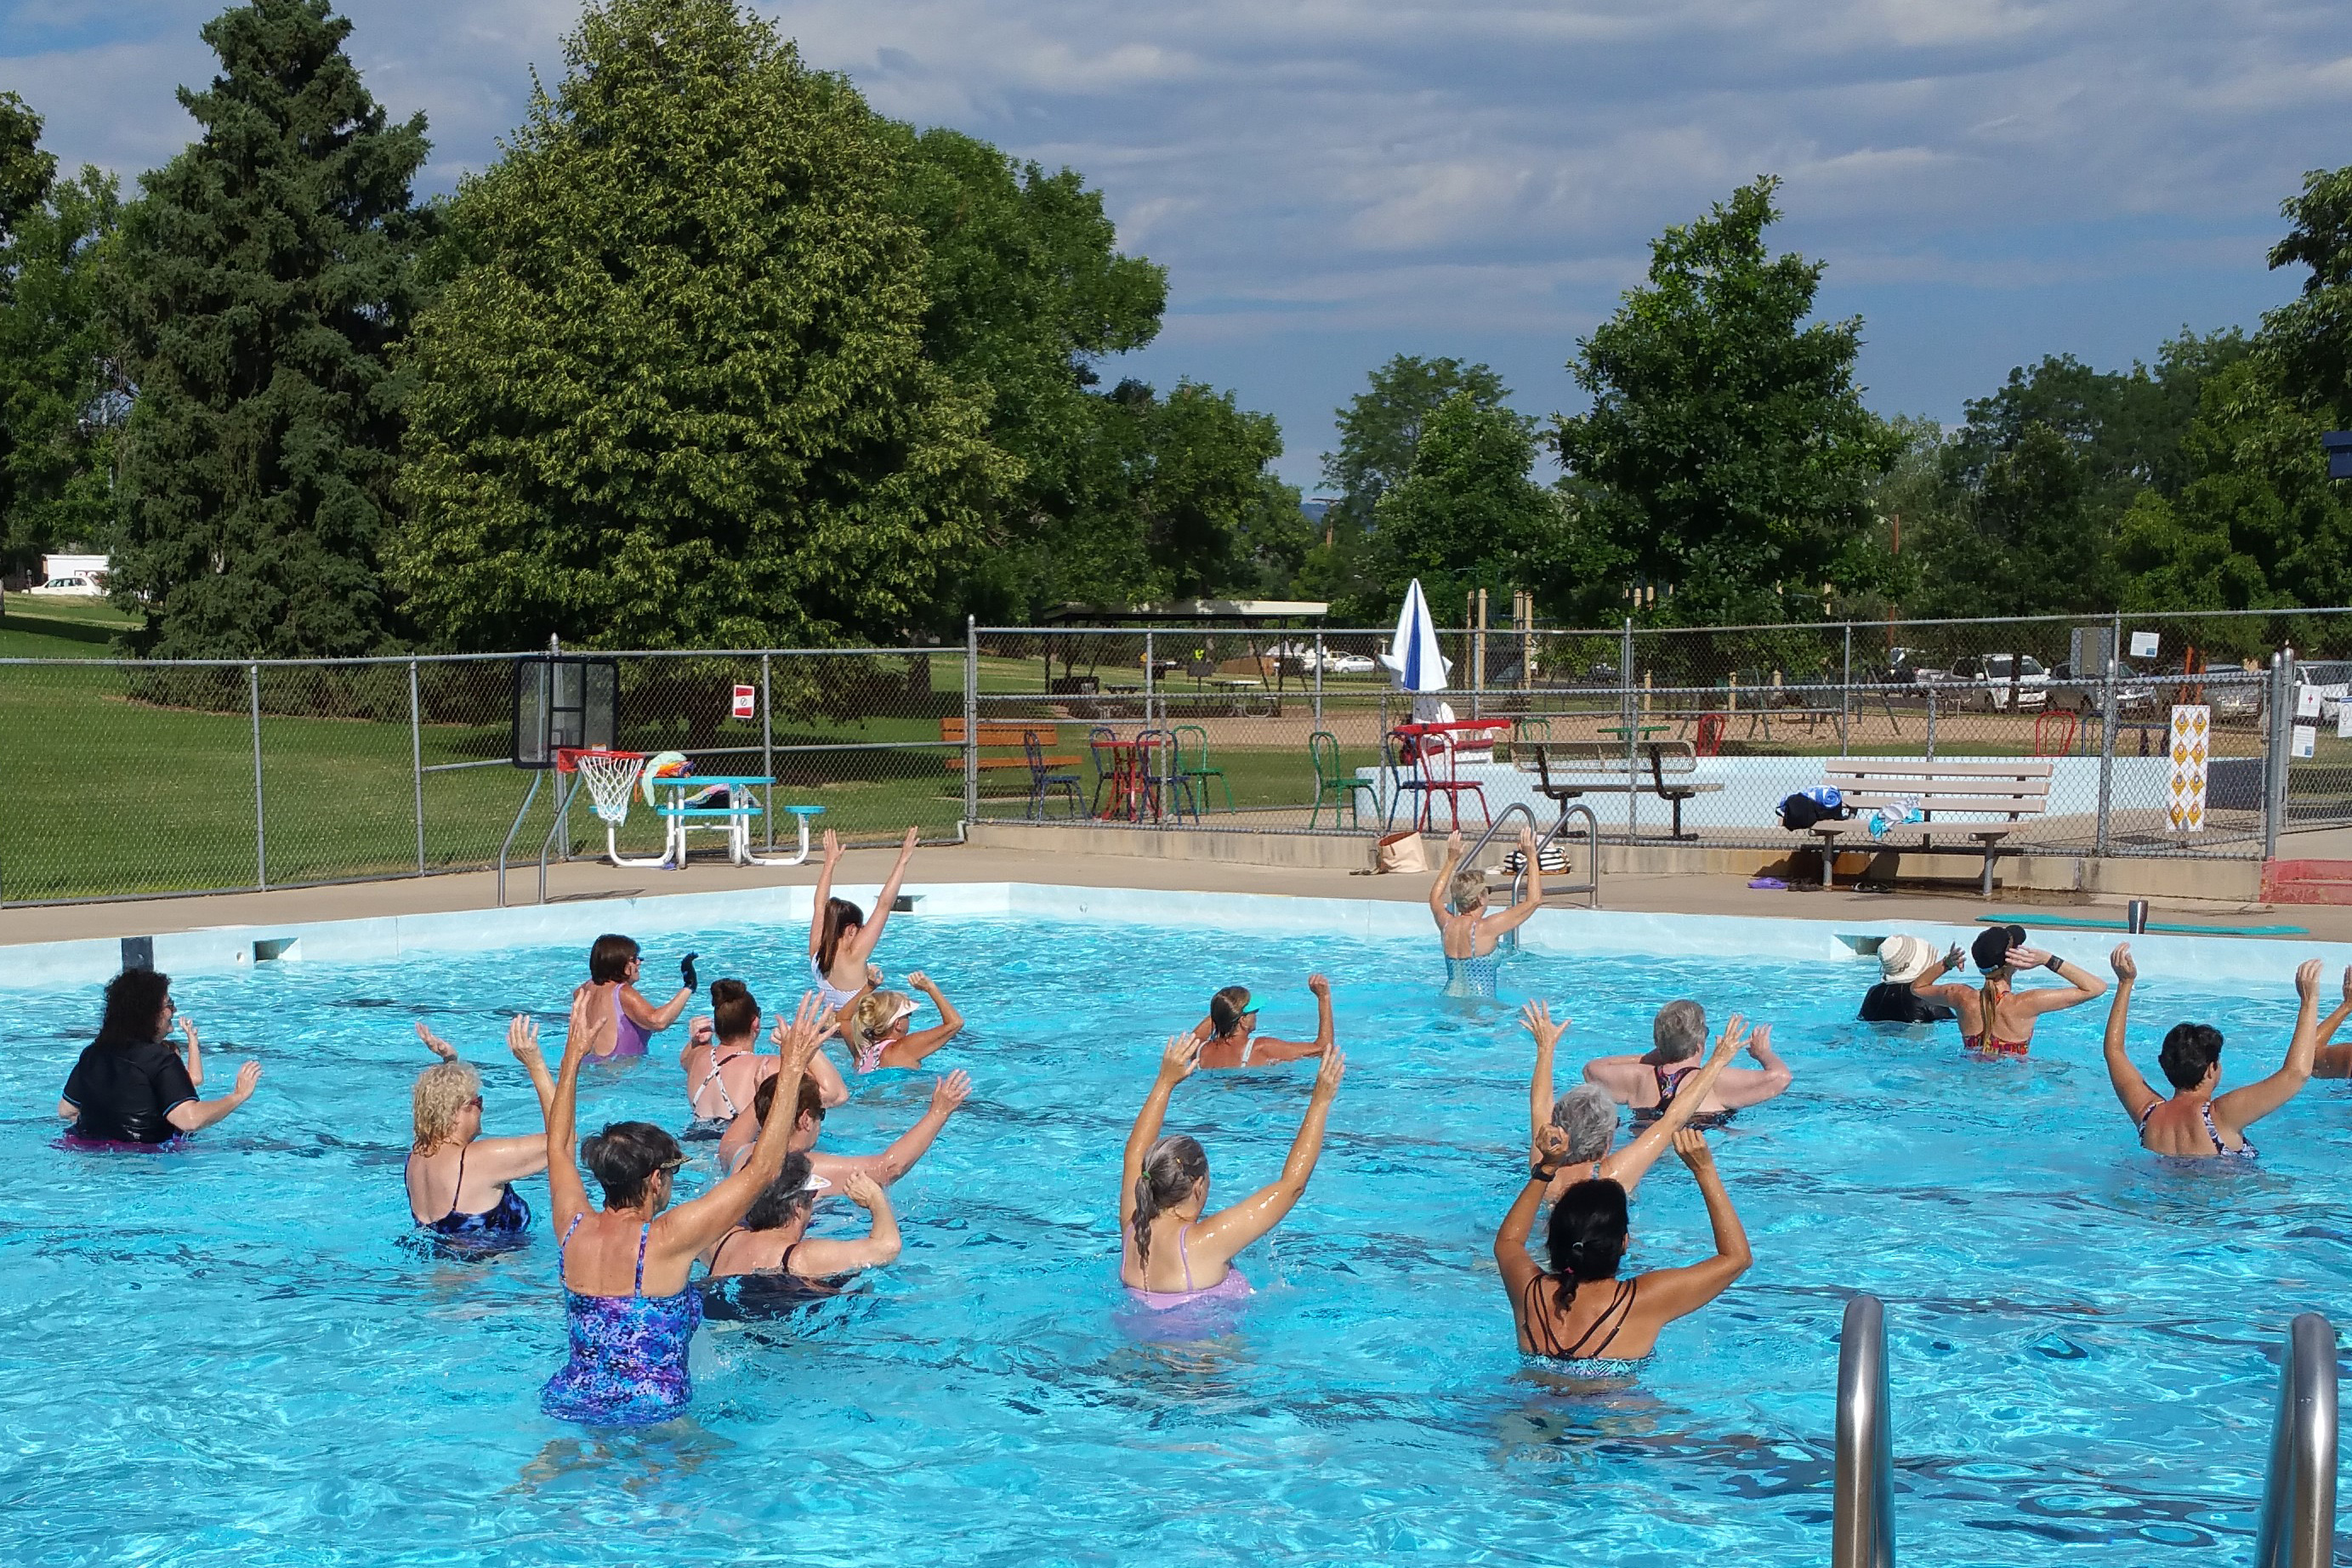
point(686, 968)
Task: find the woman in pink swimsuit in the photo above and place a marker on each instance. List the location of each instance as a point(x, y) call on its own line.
point(1171, 1254)
point(620, 1020)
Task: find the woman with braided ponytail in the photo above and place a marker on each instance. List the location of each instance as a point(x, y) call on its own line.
point(1589, 1238)
point(1170, 1255)
point(1996, 1019)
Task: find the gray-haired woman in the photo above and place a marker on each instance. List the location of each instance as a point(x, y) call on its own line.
point(1466, 931)
point(1170, 1253)
point(1576, 1131)
point(1657, 1079)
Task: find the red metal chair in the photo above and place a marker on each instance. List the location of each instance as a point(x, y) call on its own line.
point(1708, 740)
point(2063, 721)
point(1419, 753)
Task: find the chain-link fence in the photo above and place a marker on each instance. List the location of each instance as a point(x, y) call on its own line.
point(143, 778)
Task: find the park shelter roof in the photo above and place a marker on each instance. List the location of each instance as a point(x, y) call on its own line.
point(1194, 610)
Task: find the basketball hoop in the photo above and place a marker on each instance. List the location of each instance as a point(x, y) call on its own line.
point(612, 778)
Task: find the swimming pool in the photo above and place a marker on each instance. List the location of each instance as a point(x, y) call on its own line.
point(229, 1354)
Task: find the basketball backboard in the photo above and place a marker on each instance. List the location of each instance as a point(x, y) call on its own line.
point(563, 700)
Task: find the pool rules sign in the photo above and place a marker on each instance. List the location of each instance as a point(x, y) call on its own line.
point(2192, 735)
point(746, 702)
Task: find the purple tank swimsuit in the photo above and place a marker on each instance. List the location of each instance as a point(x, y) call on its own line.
point(1232, 1287)
point(628, 1352)
point(628, 1040)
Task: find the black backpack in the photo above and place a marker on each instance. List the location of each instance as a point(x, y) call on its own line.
point(1800, 812)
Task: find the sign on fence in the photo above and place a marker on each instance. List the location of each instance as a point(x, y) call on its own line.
point(2193, 726)
point(746, 702)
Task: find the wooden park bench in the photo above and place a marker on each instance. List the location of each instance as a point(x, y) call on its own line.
point(1013, 734)
point(2012, 793)
point(1566, 769)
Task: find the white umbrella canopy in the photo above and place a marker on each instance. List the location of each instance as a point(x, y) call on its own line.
point(1412, 656)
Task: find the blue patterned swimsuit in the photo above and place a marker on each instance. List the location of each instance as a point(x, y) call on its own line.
point(628, 1352)
point(1471, 977)
point(507, 1220)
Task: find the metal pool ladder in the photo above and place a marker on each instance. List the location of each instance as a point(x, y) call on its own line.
point(1590, 888)
point(2298, 1517)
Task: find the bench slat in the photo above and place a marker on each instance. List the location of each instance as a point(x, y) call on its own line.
point(1929, 783)
point(2023, 768)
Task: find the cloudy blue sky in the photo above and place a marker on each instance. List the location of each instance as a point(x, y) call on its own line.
point(1331, 182)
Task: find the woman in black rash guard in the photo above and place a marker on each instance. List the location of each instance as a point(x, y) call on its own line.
point(130, 1086)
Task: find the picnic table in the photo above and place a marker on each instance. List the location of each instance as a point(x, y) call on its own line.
point(734, 819)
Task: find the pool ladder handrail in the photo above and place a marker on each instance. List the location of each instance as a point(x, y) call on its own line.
point(1591, 890)
point(1862, 1516)
point(2298, 1517)
point(2297, 1527)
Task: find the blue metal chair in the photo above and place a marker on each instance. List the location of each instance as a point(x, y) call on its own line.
point(1106, 764)
point(1043, 781)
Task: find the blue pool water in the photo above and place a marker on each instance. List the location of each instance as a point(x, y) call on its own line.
point(229, 1356)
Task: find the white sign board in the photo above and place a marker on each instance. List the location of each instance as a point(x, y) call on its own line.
point(2143, 645)
point(746, 702)
point(2307, 740)
point(2307, 703)
point(2192, 727)
point(2343, 721)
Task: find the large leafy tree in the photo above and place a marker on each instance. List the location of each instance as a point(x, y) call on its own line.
point(1466, 514)
point(679, 391)
point(262, 279)
point(1728, 451)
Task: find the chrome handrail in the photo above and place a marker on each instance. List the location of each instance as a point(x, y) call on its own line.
point(2298, 1518)
point(1495, 826)
point(1590, 889)
point(1862, 1519)
point(529, 795)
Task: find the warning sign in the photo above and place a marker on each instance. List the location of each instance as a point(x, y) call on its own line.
point(746, 702)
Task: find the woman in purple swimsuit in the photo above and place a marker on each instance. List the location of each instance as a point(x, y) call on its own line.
point(460, 1182)
point(628, 1302)
point(1170, 1253)
point(620, 1020)
point(2196, 1123)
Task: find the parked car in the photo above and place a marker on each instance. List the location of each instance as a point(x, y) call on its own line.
point(2135, 695)
point(68, 588)
point(1987, 677)
point(1302, 658)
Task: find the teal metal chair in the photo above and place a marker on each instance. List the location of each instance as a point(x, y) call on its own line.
point(1323, 750)
point(1198, 770)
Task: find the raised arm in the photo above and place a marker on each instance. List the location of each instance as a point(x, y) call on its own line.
point(817, 1258)
point(685, 1231)
point(2126, 1080)
point(1928, 986)
point(2244, 1107)
point(1769, 1077)
point(947, 1096)
point(1267, 1049)
point(1176, 1063)
point(871, 932)
point(1511, 1254)
point(1628, 1166)
point(1228, 1232)
point(1442, 890)
point(825, 869)
point(2081, 986)
point(653, 1020)
point(1536, 1019)
point(1669, 1293)
point(567, 1194)
point(194, 1115)
point(2333, 1060)
point(911, 1051)
point(1517, 915)
point(831, 1087)
point(195, 1051)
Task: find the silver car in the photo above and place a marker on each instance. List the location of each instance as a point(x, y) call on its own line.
point(1989, 677)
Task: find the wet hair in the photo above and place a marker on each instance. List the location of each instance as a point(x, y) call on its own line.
point(134, 1000)
point(783, 1200)
point(441, 1091)
point(1171, 1167)
point(609, 960)
point(1678, 1031)
point(1589, 1116)
point(1587, 1235)
point(1469, 888)
point(625, 1156)
point(873, 1016)
point(2189, 1054)
point(1227, 1009)
point(841, 917)
point(734, 1011)
point(763, 1098)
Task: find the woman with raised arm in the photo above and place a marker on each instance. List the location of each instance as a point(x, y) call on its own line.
point(627, 1298)
point(876, 1027)
point(1170, 1253)
point(1574, 1131)
point(620, 1020)
point(772, 1247)
point(1589, 1238)
point(1998, 1020)
point(1465, 931)
point(840, 940)
point(1229, 1036)
point(946, 1095)
point(460, 1182)
point(2196, 1124)
point(130, 1089)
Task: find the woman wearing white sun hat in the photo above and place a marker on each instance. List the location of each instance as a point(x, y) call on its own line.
point(1904, 961)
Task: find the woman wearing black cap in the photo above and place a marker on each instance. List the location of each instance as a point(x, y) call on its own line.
point(1998, 1020)
point(1229, 1036)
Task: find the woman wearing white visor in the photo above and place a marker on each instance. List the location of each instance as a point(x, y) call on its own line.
point(1905, 962)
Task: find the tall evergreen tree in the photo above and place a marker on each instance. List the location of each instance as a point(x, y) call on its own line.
point(678, 394)
point(262, 279)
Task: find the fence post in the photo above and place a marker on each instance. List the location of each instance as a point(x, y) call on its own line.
point(1150, 673)
point(417, 761)
point(260, 823)
point(1931, 721)
point(768, 741)
point(1626, 718)
point(1318, 678)
point(2274, 768)
point(971, 721)
point(2108, 734)
point(1845, 696)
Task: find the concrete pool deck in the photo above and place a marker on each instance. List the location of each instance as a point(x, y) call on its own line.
point(1682, 892)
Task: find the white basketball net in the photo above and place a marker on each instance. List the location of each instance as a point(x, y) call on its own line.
point(612, 779)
